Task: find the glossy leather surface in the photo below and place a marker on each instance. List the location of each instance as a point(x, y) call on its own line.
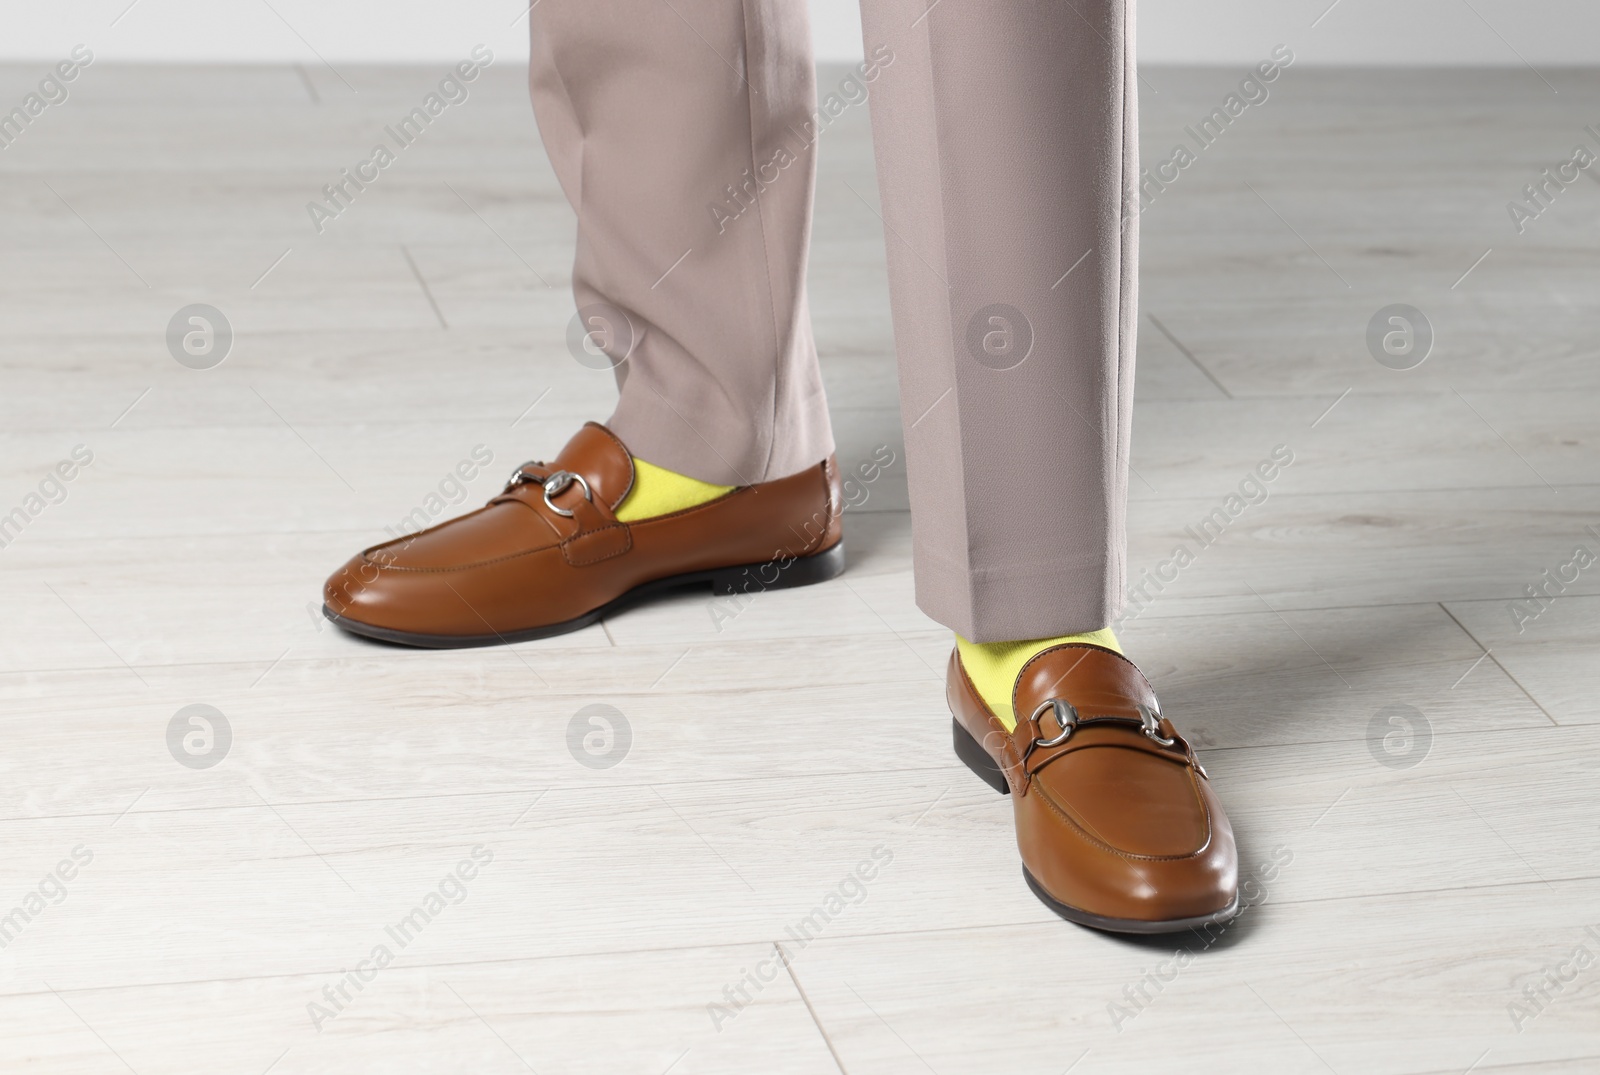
point(1110, 822)
point(517, 564)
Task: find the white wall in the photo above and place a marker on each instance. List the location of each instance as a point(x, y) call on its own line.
point(1405, 32)
point(1545, 32)
point(221, 31)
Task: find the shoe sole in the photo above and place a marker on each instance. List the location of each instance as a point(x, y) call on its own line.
point(988, 770)
point(724, 581)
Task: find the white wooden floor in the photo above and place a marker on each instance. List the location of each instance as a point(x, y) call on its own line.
point(1399, 910)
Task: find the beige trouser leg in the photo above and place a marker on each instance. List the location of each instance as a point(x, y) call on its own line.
point(1007, 158)
point(663, 121)
point(1005, 136)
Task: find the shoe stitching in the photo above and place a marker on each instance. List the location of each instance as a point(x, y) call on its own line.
point(1059, 811)
point(626, 547)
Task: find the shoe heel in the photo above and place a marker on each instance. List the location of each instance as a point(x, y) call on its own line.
point(978, 760)
point(779, 575)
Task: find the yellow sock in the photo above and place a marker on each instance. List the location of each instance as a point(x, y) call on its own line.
point(659, 491)
point(993, 667)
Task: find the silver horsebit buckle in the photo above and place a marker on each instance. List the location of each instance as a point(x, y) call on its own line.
point(554, 485)
point(1067, 719)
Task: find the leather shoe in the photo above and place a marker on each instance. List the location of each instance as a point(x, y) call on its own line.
point(1116, 820)
point(548, 554)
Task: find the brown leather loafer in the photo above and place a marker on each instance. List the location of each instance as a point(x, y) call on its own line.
point(548, 555)
point(1116, 820)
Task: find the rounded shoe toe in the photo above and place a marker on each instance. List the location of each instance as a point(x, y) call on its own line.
point(370, 591)
point(1151, 850)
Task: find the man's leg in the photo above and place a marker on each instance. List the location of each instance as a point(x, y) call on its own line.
point(1008, 166)
point(1007, 160)
point(679, 133)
